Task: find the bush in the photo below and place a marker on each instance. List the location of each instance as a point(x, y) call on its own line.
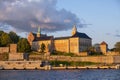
point(63, 53)
point(72, 63)
point(95, 53)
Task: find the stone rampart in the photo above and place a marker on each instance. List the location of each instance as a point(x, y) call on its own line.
point(96, 59)
point(16, 56)
point(20, 64)
point(113, 53)
point(4, 49)
point(83, 54)
point(116, 59)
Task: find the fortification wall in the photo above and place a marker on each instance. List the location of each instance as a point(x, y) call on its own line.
point(96, 59)
point(113, 53)
point(83, 54)
point(16, 56)
point(116, 59)
point(4, 49)
point(20, 64)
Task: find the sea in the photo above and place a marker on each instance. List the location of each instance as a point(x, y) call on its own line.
point(88, 74)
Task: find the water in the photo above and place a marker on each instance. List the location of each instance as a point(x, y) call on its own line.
point(60, 74)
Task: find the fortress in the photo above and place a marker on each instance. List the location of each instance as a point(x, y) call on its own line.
point(76, 43)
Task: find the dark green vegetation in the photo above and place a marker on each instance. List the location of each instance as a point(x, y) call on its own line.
point(42, 48)
point(117, 47)
point(23, 45)
point(91, 53)
point(96, 54)
point(5, 40)
point(8, 38)
point(12, 38)
point(72, 63)
point(63, 53)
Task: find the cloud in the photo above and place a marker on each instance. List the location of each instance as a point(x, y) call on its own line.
point(29, 14)
point(118, 35)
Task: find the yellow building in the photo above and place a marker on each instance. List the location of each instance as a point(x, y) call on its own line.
point(76, 43)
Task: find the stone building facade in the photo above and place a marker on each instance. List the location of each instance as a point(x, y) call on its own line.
point(103, 48)
point(76, 43)
point(13, 54)
point(4, 50)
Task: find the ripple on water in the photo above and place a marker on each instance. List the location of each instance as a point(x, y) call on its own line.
point(91, 74)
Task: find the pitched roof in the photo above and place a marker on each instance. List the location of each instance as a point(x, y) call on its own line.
point(43, 38)
point(34, 34)
point(103, 43)
point(81, 35)
point(59, 38)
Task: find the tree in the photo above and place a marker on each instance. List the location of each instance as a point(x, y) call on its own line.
point(117, 47)
point(14, 37)
point(5, 39)
point(23, 45)
point(42, 47)
point(1, 32)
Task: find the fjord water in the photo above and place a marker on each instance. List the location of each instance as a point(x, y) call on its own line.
point(91, 74)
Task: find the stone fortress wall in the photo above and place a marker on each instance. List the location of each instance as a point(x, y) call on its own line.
point(4, 50)
point(96, 59)
point(12, 50)
point(14, 55)
point(20, 64)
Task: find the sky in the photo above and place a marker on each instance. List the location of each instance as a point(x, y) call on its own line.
point(103, 15)
point(99, 19)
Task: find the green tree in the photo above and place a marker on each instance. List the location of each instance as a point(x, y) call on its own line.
point(1, 32)
point(42, 47)
point(5, 39)
point(14, 37)
point(23, 45)
point(117, 47)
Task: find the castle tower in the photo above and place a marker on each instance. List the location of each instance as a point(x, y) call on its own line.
point(103, 47)
point(13, 48)
point(39, 32)
point(74, 30)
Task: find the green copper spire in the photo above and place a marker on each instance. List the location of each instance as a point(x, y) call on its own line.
point(74, 30)
point(39, 30)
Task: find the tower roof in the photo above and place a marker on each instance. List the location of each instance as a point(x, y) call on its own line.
point(81, 35)
point(74, 27)
point(39, 31)
point(103, 43)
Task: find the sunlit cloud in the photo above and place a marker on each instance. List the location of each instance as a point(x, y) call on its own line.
point(27, 15)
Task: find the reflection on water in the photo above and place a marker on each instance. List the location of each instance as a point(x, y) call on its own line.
point(60, 74)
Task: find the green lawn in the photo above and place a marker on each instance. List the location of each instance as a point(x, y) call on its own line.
point(66, 63)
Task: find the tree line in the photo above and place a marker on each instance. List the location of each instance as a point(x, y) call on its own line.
point(12, 38)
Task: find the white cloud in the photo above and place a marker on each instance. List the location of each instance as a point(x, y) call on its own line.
point(29, 14)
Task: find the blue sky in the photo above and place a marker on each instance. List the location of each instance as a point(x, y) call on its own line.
point(103, 15)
